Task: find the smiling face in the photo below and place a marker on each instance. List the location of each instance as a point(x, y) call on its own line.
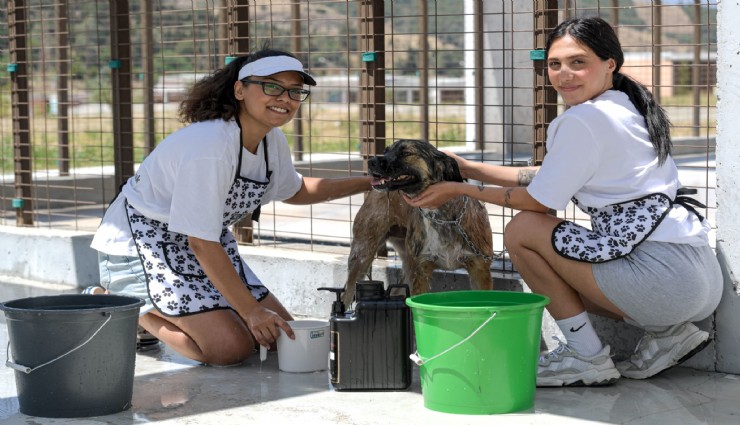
point(260, 112)
point(576, 72)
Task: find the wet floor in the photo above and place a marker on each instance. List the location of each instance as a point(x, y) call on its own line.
point(169, 389)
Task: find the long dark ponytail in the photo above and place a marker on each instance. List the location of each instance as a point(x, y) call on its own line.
point(599, 36)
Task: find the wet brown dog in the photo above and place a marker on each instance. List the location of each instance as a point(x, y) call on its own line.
point(456, 235)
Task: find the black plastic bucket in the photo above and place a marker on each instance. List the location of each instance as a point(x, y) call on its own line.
point(73, 355)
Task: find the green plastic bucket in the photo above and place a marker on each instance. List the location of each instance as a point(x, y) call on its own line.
point(478, 350)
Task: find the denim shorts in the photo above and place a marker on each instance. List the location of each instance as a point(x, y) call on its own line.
point(124, 275)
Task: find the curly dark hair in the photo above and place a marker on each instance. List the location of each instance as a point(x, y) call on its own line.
point(599, 36)
point(212, 97)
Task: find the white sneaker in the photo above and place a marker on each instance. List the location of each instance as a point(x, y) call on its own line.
point(94, 290)
point(658, 351)
point(564, 366)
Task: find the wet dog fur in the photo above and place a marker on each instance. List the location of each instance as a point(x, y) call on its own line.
point(423, 239)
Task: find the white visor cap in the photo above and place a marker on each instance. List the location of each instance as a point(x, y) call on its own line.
point(274, 64)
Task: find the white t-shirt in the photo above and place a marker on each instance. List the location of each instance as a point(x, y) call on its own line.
point(600, 153)
point(185, 180)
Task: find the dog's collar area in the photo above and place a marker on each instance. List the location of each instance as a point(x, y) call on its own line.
point(431, 216)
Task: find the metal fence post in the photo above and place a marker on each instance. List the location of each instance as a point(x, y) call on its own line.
point(239, 41)
point(295, 45)
point(545, 97)
point(62, 29)
point(20, 101)
point(372, 78)
point(147, 56)
point(120, 66)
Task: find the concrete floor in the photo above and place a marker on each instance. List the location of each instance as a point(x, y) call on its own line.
point(170, 389)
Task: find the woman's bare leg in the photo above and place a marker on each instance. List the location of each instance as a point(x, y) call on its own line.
point(565, 281)
point(583, 359)
point(218, 337)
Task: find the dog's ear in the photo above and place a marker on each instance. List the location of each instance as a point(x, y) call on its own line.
point(450, 170)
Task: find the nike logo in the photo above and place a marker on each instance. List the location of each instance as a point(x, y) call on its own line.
point(578, 328)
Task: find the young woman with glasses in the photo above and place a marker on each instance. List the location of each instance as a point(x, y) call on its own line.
point(166, 237)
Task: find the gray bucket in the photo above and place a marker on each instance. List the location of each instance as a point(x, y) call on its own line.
point(73, 355)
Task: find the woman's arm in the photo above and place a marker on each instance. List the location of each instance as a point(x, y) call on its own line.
point(262, 322)
point(494, 174)
point(510, 197)
point(512, 194)
point(504, 176)
point(316, 189)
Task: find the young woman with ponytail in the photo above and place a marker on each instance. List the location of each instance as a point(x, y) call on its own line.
point(646, 258)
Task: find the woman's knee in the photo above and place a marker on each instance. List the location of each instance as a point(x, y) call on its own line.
point(217, 337)
point(229, 350)
point(223, 358)
point(518, 229)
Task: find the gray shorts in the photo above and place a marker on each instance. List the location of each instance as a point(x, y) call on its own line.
point(124, 275)
point(663, 284)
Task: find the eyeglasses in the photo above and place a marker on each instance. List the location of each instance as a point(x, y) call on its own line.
point(272, 89)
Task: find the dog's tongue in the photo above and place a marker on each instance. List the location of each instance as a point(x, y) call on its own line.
point(377, 181)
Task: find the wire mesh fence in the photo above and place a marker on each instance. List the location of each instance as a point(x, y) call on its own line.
point(90, 87)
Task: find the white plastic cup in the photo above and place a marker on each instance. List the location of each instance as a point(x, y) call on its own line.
point(309, 351)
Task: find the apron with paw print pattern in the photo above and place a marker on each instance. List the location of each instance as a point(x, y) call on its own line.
point(176, 282)
point(616, 229)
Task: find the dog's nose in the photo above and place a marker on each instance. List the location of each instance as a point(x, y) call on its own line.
point(376, 161)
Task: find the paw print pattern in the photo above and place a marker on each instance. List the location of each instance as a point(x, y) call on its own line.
point(177, 283)
point(615, 229)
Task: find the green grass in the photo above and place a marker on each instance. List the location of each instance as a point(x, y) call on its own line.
point(687, 99)
point(332, 128)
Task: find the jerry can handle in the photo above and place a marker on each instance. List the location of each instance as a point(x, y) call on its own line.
point(398, 285)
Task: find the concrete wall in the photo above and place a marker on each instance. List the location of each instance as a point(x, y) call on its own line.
point(52, 256)
point(728, 176)
point(39, 262)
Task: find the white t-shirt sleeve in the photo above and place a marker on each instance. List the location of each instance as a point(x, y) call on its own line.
point(198, 197)
point(572, 158)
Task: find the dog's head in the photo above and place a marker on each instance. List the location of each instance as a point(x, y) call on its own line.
point(410, 166)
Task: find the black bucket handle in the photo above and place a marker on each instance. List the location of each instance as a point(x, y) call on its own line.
point(27, 370)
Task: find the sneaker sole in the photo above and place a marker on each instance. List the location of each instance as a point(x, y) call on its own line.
point(601, 379)
point(145, 341)
point(649, 373)
point(149, 346)
point(696, 350)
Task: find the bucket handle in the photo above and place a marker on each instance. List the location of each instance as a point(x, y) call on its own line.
point(419, 360)
point(27, 370)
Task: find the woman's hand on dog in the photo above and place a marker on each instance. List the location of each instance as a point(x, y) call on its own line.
point(436, 195)
point(462, 163)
